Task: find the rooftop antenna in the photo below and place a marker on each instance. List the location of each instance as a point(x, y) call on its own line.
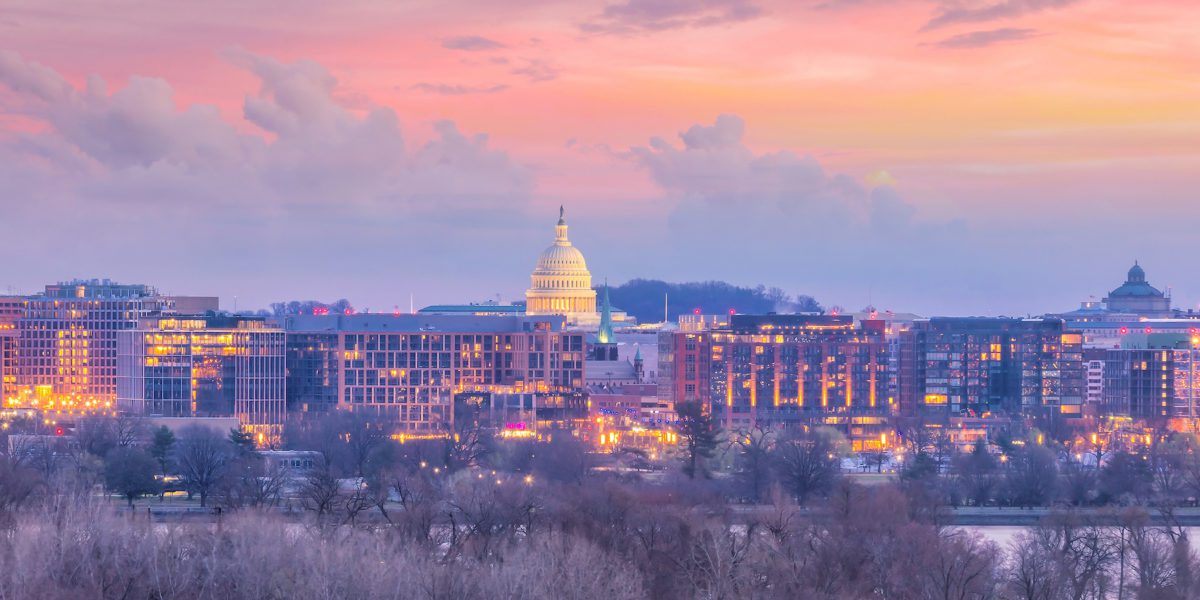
point(411, 310)
point(666, 315)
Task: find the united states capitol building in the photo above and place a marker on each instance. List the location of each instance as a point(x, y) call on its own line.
point(560, 284)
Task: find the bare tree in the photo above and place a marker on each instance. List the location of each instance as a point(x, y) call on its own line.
point(321, 490)
point(753, 461)
point(419, 497)
point(249, 482)
point(18, 485)
point(130, 472)
point(202, 457)
point(807, 464)
point(1032, 476)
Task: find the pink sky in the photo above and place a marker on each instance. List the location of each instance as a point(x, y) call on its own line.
point(1083, 116)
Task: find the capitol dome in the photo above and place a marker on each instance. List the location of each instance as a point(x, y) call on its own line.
point(561, 283)
point(561, 259)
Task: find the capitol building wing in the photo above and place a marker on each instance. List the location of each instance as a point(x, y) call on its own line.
point(561, 283)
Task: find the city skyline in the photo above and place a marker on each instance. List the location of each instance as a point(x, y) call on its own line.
point(939, 158)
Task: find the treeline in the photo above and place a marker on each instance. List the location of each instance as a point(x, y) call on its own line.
point(643, 299)
point(307, 307)
point(1161, 469)
point(606, 538)
point(469, 516)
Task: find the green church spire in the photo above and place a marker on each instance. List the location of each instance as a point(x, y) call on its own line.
point(605, 334)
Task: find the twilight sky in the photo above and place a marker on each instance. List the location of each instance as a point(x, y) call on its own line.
point(933, 156)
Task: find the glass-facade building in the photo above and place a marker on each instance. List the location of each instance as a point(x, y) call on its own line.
point(409, 371)
point(66, 355)
point(1156, 378)
point(211, 366)
point(971, 366)
point(313, 369)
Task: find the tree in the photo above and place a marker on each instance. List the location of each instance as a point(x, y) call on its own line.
point(202, 456)
point(1167, 458)
point(162, 447)
point(250, 482)
point(352, 443)
point(130, 472)
point(698, 434)
point(753, 462)
point(1032, 478)
point(1078, 483)
point(18, 484)
point(976, 474)
point(808, 464)
point(643, 299)
point(242, 441)
point(321, 490)
point(1125, 476)
point(563, 459)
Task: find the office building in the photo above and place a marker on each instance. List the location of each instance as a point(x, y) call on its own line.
point(971, 366)
point(211, 366)
point(411, 372)
point(11, 308)
point(1155, 379)
point(67, 343)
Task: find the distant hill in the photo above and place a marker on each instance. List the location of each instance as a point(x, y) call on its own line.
point(643, 299)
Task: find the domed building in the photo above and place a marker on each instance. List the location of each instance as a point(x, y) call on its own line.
point(1138, 297)
point(561, 283)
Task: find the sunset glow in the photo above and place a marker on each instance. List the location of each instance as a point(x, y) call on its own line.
point(987, 144)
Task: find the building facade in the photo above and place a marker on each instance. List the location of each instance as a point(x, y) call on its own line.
point(313, 370)
point(1156, 379)
point(971, 366)
point(67, 343)
point(769, 370)
point(1093, 366)
point(411, 371)
point(11, 308)
point(205, 367)
point(780, 369)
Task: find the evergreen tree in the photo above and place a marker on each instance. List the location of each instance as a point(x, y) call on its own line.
point(162, 447)
point(243, 442)
point(698, 434)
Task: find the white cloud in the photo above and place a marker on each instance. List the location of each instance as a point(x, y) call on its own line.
point(317, 151)
point(131, 184)
point(782, 217)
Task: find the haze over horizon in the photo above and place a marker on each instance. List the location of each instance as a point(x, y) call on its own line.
point(930, 156)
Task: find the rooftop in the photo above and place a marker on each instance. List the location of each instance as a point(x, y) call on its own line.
point(424, 323)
